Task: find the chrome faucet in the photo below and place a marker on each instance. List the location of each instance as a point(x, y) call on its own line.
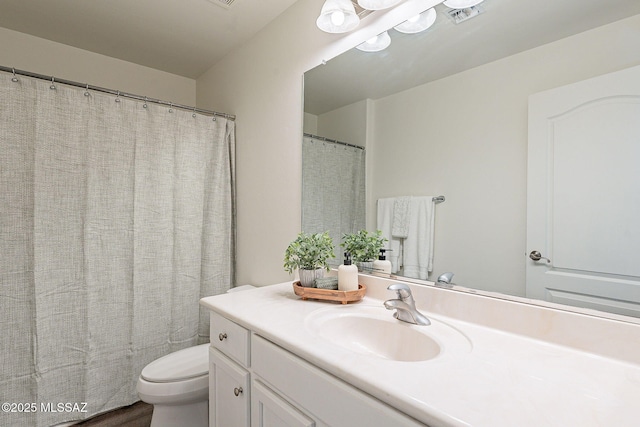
point(445, 279)
point(405, 305)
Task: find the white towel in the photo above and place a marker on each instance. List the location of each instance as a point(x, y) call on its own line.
point(418, 247)
point(385, 224)
point(401, 216)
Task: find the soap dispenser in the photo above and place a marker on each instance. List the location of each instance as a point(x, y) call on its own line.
point(382, 265)
point(347, 275)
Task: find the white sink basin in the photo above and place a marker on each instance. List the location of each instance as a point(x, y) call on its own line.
point(373, 331)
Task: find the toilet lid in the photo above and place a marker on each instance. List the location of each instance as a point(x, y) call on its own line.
point(180, 365)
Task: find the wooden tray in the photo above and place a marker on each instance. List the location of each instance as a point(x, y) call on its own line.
point(343, 297)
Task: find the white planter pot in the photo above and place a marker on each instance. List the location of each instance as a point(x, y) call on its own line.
point(308, 277)
point(365, 266)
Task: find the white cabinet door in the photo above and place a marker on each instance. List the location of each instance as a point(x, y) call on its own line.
point(270, 410)
point(583, 194)
point(229, 398)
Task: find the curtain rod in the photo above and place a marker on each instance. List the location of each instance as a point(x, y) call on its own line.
point(86, 86)
point(333, 141)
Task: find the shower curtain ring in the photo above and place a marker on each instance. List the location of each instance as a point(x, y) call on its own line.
point(86, 92)
point(214, 118)
point(14, 78)
point(171, 107)
point(118, 97)
point(194, 113)
point(53, 83)
point(145, 103)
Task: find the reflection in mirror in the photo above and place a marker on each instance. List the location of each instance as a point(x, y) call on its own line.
point(333, 184)
point(446, 112)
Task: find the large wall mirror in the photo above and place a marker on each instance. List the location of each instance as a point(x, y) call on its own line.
point(446, 112)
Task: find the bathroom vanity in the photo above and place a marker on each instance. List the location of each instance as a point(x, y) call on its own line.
point(278, 360)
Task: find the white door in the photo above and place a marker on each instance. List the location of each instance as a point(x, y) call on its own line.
point(583, 194)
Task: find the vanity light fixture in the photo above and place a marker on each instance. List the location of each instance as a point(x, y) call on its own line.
point(461, 4)
point(337, 16)
point(418, 23)
point(375, 44)
point(377, 4)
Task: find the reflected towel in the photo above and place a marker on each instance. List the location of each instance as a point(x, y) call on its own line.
point(418, 247)
point(401, 216)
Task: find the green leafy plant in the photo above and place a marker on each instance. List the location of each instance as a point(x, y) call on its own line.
point(309, 252)
point(363, 246)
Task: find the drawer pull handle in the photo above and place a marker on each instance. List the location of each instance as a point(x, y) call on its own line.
point(222, 336)
point(237, 391)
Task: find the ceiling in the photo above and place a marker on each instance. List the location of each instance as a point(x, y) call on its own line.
point(183, 37)
point(187, 37)
point(506, 27)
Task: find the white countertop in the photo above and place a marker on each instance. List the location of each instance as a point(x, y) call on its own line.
point(506, 379)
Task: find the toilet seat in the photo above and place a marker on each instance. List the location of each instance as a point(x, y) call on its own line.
point(173, 393)
point(181, 365)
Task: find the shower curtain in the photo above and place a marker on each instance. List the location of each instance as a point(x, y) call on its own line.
point(333, 189)
point(116, 217)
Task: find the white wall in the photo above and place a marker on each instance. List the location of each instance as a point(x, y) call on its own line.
point(261, 83)
point(41, 56)
point(347, 124)
point(310, 124)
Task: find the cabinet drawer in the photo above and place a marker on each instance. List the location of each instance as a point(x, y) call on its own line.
point(230, 338)
point(324, 396)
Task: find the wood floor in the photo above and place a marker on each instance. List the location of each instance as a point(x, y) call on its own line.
point(136, 415)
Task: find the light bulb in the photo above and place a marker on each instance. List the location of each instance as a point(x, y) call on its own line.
point(418, 23)
point(375, 43)
point(337, 18)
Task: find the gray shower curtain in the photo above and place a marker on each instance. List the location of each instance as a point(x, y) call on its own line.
point(116, 218)
point(333, 190)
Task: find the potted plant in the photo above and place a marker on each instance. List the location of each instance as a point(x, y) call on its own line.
point(363, 246)
point(309, 253)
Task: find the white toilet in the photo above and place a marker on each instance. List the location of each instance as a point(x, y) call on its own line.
point(177, 385)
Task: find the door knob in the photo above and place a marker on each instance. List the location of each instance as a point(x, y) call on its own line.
point(537, 256)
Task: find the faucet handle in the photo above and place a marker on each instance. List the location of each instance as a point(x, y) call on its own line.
point(403, 291)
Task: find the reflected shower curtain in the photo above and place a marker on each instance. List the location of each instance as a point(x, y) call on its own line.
point(333, 189)
point(116, 218)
